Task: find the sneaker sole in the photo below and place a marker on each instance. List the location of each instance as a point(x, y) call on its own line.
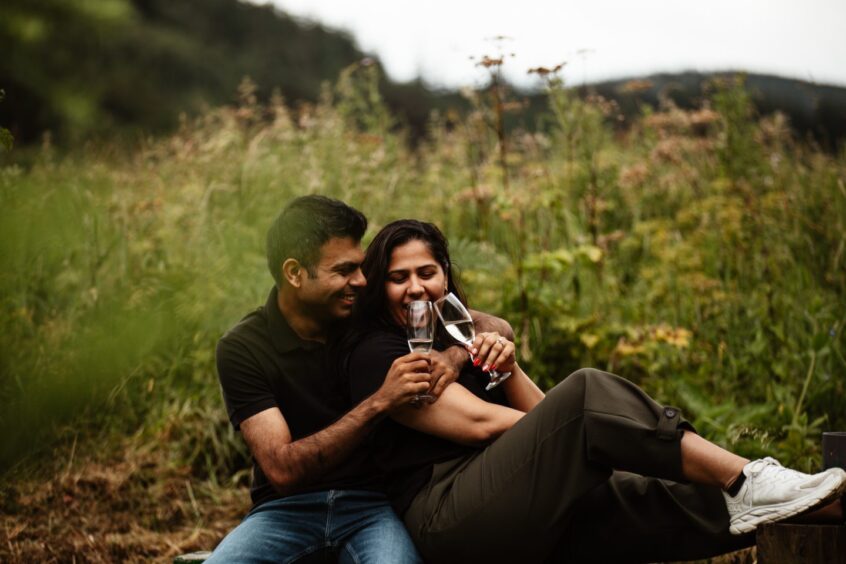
point(752, 519)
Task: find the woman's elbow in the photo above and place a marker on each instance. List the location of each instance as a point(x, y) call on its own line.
point(474, 437)
point(486, 431)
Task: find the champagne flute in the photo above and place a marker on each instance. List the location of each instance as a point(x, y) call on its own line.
point(458, 323)
point(420, 332)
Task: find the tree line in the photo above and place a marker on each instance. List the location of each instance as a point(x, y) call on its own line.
point(127, 67)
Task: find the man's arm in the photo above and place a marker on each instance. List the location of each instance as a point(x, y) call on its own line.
point(288, 463)
point(487, 323)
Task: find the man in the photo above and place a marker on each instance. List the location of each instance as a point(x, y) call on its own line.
point(313, 487)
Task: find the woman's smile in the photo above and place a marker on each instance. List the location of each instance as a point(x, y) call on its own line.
point(413, 274)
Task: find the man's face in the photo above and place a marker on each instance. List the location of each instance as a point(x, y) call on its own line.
point(332, 291)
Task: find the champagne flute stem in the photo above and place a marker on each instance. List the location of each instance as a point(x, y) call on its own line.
point(497, 378)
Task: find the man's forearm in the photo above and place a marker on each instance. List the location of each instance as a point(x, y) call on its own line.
point(293, 463)
point(311, 457)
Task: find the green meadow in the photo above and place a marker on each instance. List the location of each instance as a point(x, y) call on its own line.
point(699, 253)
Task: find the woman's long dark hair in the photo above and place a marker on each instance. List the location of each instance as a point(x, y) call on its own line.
point(371, 309)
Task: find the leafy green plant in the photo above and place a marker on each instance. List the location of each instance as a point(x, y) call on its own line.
point(699, 253)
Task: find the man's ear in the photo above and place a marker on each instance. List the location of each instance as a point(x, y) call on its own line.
point(292, 272)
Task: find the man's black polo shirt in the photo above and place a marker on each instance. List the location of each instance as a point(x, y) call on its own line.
point(262, 363)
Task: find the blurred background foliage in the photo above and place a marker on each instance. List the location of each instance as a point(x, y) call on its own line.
point(700, 254)
point(698, 249)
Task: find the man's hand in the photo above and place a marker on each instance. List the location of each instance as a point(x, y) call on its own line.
point(409, 376)
point(446, 366)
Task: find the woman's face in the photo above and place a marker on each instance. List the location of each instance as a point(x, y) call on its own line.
point(413, 274)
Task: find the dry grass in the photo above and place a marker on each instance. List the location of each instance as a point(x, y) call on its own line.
point(134, 507)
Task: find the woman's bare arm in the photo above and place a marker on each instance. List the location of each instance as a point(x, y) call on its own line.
point(522, 393)
point(498, 352)
point(459, 416)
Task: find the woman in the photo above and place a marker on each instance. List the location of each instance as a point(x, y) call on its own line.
point(510, 475)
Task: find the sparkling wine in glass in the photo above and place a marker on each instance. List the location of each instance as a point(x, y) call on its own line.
point(420, 332)
point(459, 325)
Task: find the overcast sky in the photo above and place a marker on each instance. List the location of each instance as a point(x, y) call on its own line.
point(598, 39)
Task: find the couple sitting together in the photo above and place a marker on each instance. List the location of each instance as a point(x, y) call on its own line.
point(349, 465)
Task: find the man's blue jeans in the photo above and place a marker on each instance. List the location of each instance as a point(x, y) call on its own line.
point(359, 526)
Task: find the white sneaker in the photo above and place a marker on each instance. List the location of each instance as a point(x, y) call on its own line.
point(773, 493)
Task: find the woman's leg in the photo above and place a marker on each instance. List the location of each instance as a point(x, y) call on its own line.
point(761, 491)
point(513, 501)
point(631, 518)
point(703, 462)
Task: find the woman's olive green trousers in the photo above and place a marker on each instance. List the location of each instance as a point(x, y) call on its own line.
point(592, 474)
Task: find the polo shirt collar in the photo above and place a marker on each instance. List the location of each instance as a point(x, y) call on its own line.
point(284, 338)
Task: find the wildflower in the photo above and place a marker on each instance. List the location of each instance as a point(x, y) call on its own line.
point(544, 71)
point(479, 194)
point(679, 338)
point(633, 175)
point(589, 340)
point(606, 240)
point(624, 348)
point(489, 62)
point(669, 150)
point(593, 254)
point(702, 120)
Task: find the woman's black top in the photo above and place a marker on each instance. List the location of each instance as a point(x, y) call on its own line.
point(407, 456)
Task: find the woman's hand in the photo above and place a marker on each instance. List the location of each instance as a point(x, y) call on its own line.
point(492, 351)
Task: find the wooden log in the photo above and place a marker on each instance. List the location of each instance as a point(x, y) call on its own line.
point(834, 450)
point(786, 543)
point(782, 543)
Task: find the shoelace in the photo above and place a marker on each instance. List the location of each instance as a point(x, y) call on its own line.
point(780, 474)
point(759, 466)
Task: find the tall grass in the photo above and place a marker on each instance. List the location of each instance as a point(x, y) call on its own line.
point(698, 253)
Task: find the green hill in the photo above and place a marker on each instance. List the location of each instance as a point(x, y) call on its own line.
point(82, 69)
point(813, 110)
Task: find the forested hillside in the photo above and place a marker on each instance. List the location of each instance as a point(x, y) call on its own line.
point(83, 70)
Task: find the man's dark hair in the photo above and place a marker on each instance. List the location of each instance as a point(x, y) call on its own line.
point(304, 225)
